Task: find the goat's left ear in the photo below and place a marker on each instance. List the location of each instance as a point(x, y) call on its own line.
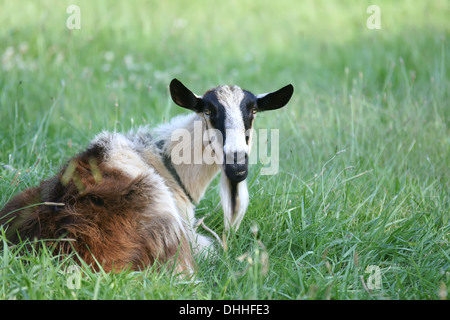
point(184, 97)
point(275, 100)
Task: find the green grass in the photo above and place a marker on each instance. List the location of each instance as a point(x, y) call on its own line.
point(364, 144)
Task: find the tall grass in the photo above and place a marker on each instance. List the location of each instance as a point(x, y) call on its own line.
point(364, 143)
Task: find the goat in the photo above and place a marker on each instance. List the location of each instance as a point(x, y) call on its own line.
point(126, 203)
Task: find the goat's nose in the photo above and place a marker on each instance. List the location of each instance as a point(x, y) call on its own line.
point(236, 167)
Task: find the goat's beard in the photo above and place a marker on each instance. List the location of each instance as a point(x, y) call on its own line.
point(235, 200)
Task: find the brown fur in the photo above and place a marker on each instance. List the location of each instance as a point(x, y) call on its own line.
point(106, 217)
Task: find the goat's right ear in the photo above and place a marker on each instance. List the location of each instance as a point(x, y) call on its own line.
point(184, 97)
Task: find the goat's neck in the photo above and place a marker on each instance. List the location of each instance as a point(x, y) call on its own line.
point(195, 174)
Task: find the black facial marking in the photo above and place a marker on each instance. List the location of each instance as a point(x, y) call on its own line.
point(217, 112)
point(247, 106)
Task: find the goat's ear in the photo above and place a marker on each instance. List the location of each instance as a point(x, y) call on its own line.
point(275, 100)
point(184, 97)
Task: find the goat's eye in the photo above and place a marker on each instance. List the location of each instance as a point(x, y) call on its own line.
point(208, 112)
point(254, 110)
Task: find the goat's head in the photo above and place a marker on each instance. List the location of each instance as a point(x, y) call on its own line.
point(231, 111)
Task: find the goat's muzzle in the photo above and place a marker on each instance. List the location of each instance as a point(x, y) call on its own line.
point(236, 166)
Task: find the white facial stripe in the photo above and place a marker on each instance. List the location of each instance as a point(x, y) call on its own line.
point(235, 143)
point(231, 98)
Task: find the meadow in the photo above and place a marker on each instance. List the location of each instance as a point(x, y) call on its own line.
point(360, 207)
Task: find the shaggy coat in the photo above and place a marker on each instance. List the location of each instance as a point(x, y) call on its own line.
point(123, 202)
point(118, 217)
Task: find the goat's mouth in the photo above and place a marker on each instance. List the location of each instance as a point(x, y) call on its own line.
point(236, 172)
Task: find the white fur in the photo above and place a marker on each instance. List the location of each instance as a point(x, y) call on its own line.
point(231, 98)
point(122, 155)
point(195, 176)
point(233, 220)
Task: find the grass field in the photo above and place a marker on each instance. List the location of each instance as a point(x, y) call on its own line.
point(360, 207)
